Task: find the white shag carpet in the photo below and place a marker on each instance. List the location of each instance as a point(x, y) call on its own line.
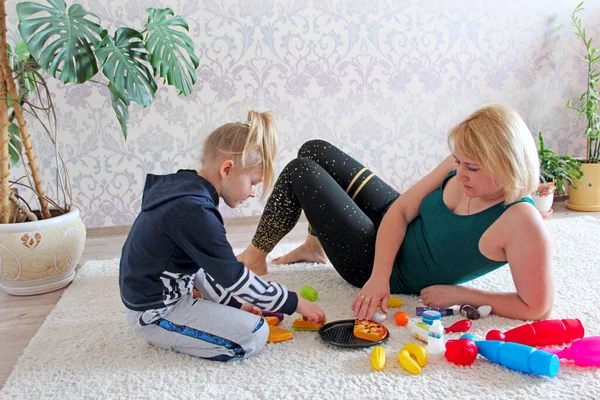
point(84, 349)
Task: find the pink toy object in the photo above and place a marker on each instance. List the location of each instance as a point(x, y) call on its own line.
point(584, 352)
point(541, 333)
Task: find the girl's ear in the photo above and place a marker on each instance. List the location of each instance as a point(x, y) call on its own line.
point(226, 169)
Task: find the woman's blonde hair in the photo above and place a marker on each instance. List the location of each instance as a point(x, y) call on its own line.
point(252, 143)
point(498, 139)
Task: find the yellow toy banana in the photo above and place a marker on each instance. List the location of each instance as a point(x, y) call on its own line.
point(412, 357)
point(377, 358)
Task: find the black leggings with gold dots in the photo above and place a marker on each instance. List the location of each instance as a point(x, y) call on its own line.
point(343, 201)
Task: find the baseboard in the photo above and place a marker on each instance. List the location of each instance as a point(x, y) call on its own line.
point(105, 231)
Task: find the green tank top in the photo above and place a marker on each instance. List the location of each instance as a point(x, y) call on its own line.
point(442, 248)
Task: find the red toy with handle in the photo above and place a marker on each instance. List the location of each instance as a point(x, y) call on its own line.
point(541, 333)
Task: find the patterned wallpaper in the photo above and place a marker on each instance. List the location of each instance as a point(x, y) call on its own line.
point(384, 80)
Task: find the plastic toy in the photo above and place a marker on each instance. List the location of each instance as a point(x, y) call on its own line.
point(401, 318)
point(459, 326)
point(393, 302)
point(461, 351)
point(379, 316)
point(419, 330)
point(272, 320)
point(302, 324)
point(309, 293)
point(435, 339)
point(413, 357)
point(272, 314)
point(429, 316)
point(377, 358)
point(541, 333)
point(584, 352)
point(484, 311)
point(469, 312)
point(369, 330)
point(443, 311)
point(518, 356)
point(277, 334)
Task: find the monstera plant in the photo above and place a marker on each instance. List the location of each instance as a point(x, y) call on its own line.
point(69, 44)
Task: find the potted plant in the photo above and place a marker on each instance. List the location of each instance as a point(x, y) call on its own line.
point(40, 249)
point(584, 195)
point(556, 174)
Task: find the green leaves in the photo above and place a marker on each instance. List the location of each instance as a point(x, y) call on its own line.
point(15, 145)
point(70, 46)
point(122, 60)
point(171, 51)
point(589, 99)
point(558, 169)
point(61, 41)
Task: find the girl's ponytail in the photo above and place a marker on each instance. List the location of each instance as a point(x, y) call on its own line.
point(262, 139)
point(252, 143)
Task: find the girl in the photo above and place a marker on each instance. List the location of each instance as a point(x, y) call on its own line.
point(178, 241)
point(469, 216)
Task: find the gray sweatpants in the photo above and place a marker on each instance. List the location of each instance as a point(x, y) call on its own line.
point(205, 329)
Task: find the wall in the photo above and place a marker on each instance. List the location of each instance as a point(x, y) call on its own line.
point(385, 80)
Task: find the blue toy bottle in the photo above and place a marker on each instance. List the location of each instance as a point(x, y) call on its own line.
point(518, 356)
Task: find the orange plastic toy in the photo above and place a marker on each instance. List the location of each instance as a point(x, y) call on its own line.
point(302, 324)
point(401, 318)
point(369, 330)
point(277, 334)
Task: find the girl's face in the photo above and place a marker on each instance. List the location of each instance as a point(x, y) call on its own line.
point(476, 181)
point(240, 185)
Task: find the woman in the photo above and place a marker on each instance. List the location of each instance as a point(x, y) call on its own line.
point(469, 216)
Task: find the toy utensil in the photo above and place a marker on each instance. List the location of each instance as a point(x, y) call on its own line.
point(460, 326)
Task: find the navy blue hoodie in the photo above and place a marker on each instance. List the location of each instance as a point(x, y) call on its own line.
point(179, 234)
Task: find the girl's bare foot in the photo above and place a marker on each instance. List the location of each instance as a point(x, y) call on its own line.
point(309, 251)
point(254, 259)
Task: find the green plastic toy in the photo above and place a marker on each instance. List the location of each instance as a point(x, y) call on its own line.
point(309, 293)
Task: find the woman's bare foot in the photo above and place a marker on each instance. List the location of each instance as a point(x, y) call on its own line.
point(254, 259)
point(309, 251)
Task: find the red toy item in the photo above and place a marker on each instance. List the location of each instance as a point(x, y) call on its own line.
point(460, 326)
point(541, 333)
point(461, 351)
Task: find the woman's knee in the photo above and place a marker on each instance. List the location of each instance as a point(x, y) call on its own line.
point(312, 148)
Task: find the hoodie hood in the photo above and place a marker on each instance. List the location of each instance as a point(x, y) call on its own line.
point(160, 189)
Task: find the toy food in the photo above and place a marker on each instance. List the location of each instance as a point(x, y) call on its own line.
point(302, 324)
point(401, 318)
point(378, 358)
point(413, 357)
point(369, 330)
point(277, 334)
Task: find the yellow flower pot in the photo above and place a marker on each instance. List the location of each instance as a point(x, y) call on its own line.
point(41, 256)
point(587, 195)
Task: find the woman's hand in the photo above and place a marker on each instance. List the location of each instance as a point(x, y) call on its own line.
point(310, 310)
point(251, 308)
point(441, 296)
point(377, 289)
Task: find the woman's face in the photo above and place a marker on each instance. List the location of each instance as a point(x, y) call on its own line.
point(476, 181)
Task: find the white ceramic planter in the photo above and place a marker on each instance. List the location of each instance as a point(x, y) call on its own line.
point(543, 197)
point(41, 256)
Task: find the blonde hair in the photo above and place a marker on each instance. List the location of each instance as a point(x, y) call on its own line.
point(498, 139)
point(250, 144)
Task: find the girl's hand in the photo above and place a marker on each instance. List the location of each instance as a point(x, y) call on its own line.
point(441, 296)
point(251, 308)
point(366, 301)
point(310, 310)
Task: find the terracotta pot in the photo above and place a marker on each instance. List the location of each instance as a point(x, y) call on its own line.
point(39, 257)
point(543, 197)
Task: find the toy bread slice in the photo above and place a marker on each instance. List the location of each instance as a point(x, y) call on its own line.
point(277, 334)
point(369, 330)
point(306, 325)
